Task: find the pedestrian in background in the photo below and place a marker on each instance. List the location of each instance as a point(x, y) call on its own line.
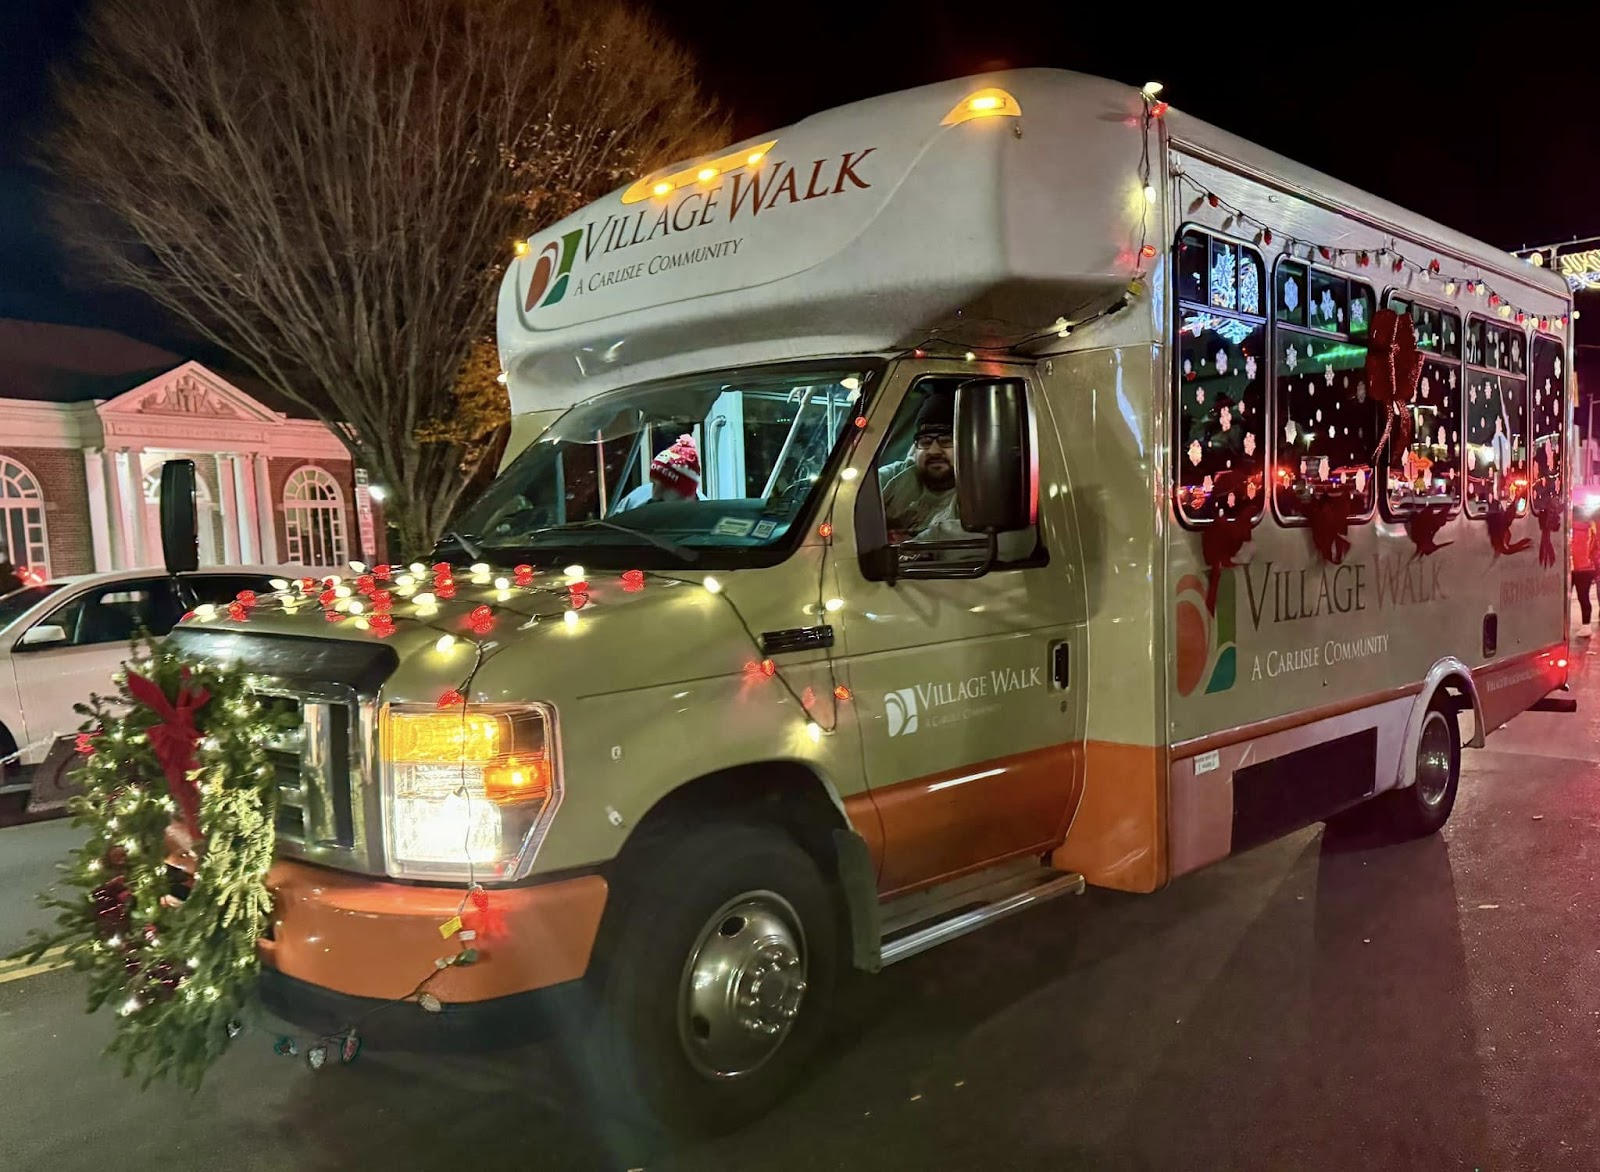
point(1585, 551)
point(9, 579)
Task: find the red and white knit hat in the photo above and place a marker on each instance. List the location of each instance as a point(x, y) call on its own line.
point(678, 467)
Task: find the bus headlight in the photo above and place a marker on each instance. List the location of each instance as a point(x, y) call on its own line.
point(468, 793)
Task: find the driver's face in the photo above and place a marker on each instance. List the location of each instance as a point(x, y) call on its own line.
point(935, 459)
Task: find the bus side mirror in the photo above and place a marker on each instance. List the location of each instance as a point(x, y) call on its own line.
point(180, 532)
point(997, 466)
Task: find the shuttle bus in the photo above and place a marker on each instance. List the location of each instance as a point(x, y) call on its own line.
point(938, 505)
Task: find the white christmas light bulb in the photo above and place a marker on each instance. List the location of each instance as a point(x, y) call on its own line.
point(814, 731)
point(445, 643)
point(714, 586)
point(570, 618)
point(574, 572)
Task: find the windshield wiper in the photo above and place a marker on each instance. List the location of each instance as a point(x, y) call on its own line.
point(468, 546)
point(682, 552)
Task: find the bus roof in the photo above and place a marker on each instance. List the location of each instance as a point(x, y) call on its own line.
point(875, 226)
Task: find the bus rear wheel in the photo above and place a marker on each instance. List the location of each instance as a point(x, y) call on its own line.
point(1423, 807)
point(716, 981)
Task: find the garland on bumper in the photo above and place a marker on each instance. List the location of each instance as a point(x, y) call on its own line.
point(167, 896)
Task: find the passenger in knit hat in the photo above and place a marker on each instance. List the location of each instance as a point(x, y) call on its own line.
point(674, 476)
point(675, 472)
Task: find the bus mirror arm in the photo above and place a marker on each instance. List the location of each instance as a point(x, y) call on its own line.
point(901, 567)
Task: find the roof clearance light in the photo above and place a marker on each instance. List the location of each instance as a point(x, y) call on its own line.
point(986, 103)
point(705, 171)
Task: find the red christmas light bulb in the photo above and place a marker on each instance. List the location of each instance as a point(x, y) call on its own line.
point(825, 530)
point(632, 581)
point(1211, 198)
point(248, 597)
point(327, 598)
point(1158, 108)
point(445, 589)
point(841, 693)
point(451, 698)
point(1148, 251)
point(1325, 252)
point(768, 668)
point(238, 611)
point(1266, 235)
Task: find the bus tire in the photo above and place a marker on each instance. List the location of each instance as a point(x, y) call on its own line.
point(1423, 807)
point(716, 983)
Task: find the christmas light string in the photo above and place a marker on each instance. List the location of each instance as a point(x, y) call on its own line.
point(1388, 256)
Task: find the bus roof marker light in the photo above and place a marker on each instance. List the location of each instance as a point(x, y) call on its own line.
point(985, 103)
point(705, 171)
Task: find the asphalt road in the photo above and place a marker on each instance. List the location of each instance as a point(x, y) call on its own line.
point(1310, 1005)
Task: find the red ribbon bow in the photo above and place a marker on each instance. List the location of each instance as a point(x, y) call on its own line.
point(174, 739)
point(1423, 528)
point(1394, 366)
point(1329, 515)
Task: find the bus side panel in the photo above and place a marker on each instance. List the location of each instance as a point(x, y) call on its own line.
point(1101, 407)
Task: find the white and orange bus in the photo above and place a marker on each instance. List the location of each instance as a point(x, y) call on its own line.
point(980, 491)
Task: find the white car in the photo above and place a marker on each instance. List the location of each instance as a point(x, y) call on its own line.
point(63, 639)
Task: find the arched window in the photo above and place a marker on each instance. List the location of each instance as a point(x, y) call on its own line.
point(313, 517)
point(22, 534)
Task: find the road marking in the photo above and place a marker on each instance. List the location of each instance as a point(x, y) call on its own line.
point(19, 968)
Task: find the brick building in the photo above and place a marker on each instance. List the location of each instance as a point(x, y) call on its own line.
point(87, 417)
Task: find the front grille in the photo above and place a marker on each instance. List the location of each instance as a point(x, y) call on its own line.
point(314, 766)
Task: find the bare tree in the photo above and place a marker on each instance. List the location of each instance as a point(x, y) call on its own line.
point(329, 189)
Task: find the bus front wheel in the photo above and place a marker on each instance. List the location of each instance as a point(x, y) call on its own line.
point(715, 984)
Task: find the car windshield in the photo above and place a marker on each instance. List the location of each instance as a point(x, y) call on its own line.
point(14, 604)
point(714, 469)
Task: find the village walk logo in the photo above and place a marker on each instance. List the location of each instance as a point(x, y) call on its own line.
point(954, 700)
point(553, 271)
point(735, 201)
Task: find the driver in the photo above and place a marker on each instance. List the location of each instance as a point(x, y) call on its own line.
point(674, 476)
point(922, 488)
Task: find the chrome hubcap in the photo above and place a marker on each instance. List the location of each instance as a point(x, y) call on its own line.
point(742, 986)
point(1433, 760)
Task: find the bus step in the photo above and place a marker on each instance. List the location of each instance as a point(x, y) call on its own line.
point(968, 908)
point(1555, 704)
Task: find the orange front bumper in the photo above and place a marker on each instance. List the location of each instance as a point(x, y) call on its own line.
point(372, 938)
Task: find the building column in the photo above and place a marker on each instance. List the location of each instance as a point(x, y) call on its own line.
point(266, 510)
point(94, 476)
point(244, 492)
point(230, 511)
point(116, 518)
point(133, 502)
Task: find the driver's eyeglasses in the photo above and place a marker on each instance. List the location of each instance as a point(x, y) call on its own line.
point(942, 438)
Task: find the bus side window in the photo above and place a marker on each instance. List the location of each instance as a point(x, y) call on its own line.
point(1326, 423)
point(1549, 409)
point(1219, 418)
point(1497, 416)
point(1430, 472)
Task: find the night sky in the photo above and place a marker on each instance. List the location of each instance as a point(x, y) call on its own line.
point(1487, 127)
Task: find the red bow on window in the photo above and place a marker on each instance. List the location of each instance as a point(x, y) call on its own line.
point(1394, 365)
point(1329, 515)
point(173, 740)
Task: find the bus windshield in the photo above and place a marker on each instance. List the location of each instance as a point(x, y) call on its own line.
point(714, 468)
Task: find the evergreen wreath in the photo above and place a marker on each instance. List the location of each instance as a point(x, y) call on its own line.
point(167, 896)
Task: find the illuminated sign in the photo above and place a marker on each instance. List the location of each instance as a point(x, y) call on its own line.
point(1581, 269)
